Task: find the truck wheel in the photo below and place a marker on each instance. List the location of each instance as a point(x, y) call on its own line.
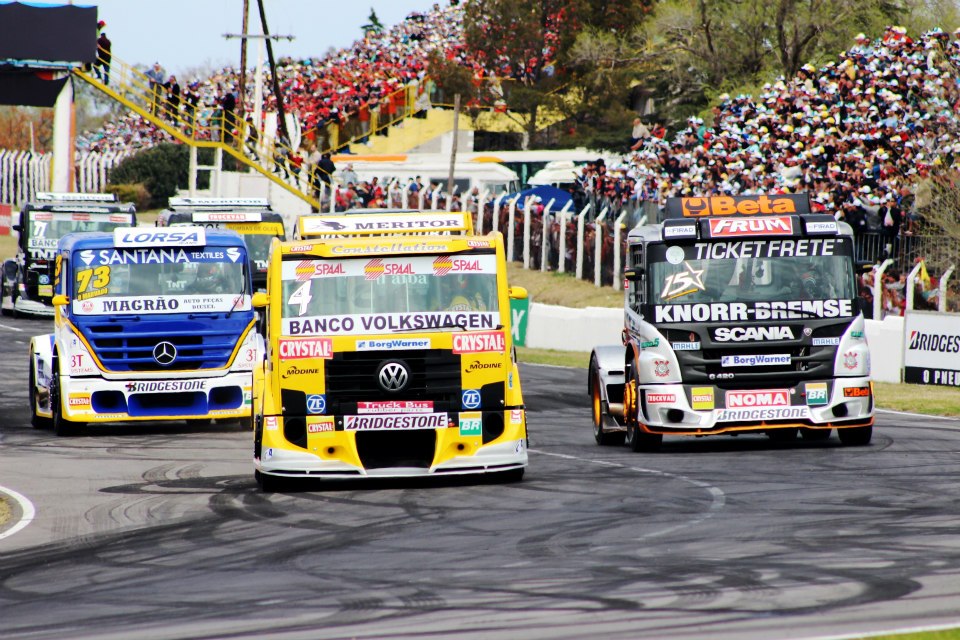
point(4, 310)
point(855, 436)
point(814, 435)
point(37, 421)
point(61, 426)
point(269, 483)
point(637, 439)
point(603, 439)
point(783, 435)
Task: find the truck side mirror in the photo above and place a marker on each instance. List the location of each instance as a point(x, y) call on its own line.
point(634, 275)
point(260, 300)
point(517, 293)
point(17, 228)
point(60, 300)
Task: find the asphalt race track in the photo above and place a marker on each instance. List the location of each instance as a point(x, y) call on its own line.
point(161, 532)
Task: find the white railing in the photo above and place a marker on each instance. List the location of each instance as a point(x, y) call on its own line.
point(23, 173)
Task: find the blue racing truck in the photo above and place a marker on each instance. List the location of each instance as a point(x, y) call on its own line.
point(741, 315)
point(150, 324)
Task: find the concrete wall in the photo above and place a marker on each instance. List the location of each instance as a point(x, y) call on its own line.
point(552, 327)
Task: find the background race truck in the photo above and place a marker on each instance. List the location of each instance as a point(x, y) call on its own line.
point(389, 354)
point(252, 218)
point(741, 314)
point(28, 277)
point(150, 324)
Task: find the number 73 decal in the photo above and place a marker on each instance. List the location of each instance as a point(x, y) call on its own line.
point(678, 284)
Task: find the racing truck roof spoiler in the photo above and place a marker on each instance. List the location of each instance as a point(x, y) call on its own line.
point(63, 196)
point(380, 224)
point(812, 225)
point(217, 204)
point(753, 205)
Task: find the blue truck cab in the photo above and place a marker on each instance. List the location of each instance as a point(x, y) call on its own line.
point(149, 324)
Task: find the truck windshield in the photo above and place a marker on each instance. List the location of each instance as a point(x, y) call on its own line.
point(258, 246)
point(750, 271)
point(375, 295)
point(46, 228)
point(112, 281)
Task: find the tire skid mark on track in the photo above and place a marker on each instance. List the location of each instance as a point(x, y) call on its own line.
point(717, 497)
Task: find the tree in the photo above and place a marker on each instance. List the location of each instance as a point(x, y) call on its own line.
point(161, 169)
point(15, 128)
point(525, 47)
point(374, 25)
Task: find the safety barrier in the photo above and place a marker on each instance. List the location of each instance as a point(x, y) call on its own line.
point(23, 173)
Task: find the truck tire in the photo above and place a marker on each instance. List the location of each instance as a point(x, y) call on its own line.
point(636, 438)
point(603, 438)
point(815, 435)
point(36, 421)
point(788, 434)
point(62, 427)
point(855, 436)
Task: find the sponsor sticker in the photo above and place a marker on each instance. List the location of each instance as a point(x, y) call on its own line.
point(825, 342)
point(650, 344)
point(389, 322)
point(471, 424)
point(702, 398)
point(271, 423)
point(299, 348)
point(396, 406)
point(850, 360)
point(780, 413)
point(685, 346)
point(752, 399)
point(316, 403)
point(857, 334)
point(395, 422)
point(661, 398)
point(471, 398)
point(162, 386)
point(752, 334)
point(755, 360)
point(661, 368)
point(295, 371)
point(821, 227)
point(320, 424)
point(856, 392)
point(736, 205)
point(393, 344)
point(780, 248)
point(79, 400)
point(479, 342)
point(145, 237)
point(752, 311)
point(816, 393)
point(476, 366)
point(516, 416)
point(732, 227)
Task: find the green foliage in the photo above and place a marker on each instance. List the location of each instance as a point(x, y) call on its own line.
point(135, 193)
point(374, 25)
point(161, 170)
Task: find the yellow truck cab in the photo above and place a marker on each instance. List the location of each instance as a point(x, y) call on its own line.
point(389, 353)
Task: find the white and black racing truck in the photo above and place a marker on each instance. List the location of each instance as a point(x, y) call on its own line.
point(741, 314)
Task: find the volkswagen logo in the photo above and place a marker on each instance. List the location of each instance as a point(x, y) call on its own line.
point(164, 353)
point(393, 376)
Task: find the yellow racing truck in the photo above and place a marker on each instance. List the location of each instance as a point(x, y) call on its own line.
point(389, 353)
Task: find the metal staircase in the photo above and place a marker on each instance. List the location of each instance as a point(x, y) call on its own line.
point(202, 128)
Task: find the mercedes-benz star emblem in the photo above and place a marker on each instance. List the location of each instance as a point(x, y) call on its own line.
point(393, 376)
point(164, 353)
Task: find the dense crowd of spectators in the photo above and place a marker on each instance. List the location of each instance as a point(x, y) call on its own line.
point(383, 73)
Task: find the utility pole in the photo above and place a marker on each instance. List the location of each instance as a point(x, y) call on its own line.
point(453, 149)
point(243, 59)
point(282, 116)
point(258, 95)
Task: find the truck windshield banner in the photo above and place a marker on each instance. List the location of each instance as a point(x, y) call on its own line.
point(367, 323)
point(753, 311)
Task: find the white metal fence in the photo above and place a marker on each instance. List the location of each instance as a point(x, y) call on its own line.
point(23, 173)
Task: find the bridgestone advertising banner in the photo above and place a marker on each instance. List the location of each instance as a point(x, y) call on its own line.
point(931, 350)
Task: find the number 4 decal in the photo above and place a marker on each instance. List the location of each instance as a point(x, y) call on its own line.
point(301, 297)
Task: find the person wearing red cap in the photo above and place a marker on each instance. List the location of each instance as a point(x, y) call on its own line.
point(102, 66)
